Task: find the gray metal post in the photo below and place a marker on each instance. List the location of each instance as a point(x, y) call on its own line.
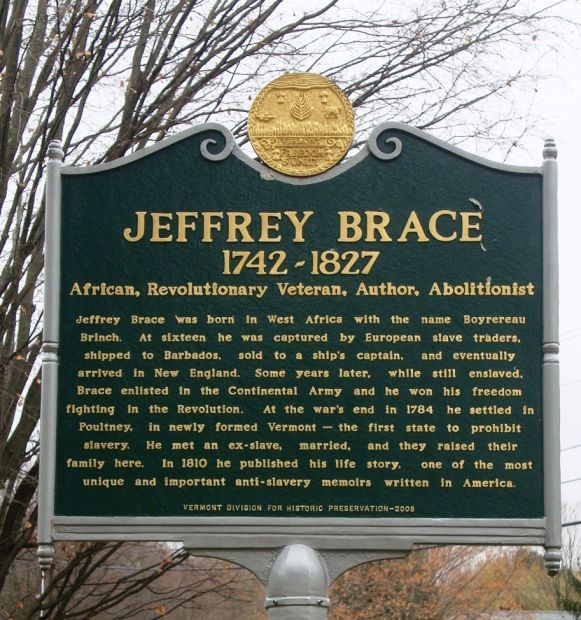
point(50, 337)
point(297, 585)
point(551, 414)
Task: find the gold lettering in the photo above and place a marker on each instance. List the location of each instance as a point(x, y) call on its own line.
point(467, 225)
point(157, 227)
point(349, 229)
point(414, 226)
point(377, 221)
point(266, 226)
point(238, 221)
point(183, 224)
point(298, 224)
point(139, 230)
point(433, 225)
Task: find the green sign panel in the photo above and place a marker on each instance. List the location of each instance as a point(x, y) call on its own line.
point(233, 344)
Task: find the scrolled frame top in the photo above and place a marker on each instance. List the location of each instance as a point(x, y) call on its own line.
point(212, 150)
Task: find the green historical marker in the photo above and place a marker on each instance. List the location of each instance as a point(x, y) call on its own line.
point(368, 346)
point(359, 360)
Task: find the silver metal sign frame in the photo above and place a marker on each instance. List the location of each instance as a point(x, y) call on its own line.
point(342, 543)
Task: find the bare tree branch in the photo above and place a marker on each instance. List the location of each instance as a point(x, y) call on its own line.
point(110, 76)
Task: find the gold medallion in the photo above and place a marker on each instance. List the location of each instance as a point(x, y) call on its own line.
point(301, 124)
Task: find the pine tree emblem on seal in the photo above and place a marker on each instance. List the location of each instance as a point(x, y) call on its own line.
point(301, 124)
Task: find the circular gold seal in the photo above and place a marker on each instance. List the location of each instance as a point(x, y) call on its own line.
point(301, 124)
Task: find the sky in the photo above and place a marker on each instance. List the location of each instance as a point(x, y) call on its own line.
point(560, 106)
point(566, 129)
point(557, 112)
point(557, 108)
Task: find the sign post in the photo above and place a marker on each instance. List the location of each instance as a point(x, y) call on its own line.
point(340, 366)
